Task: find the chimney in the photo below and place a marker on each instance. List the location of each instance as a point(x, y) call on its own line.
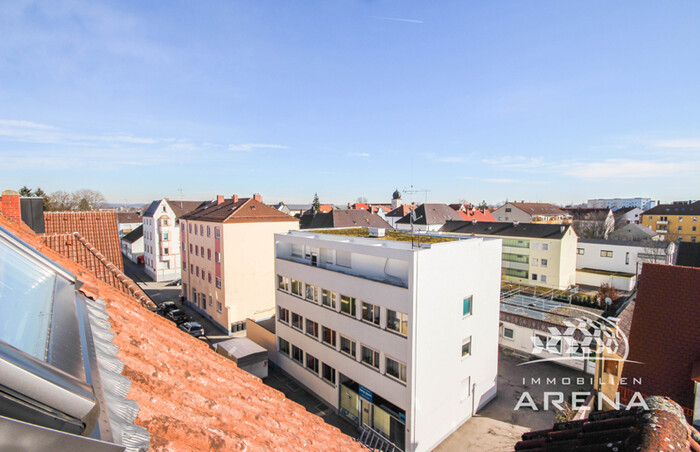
point(10, 206)
point(257, 197)
point(219, 199)
point(235, 198)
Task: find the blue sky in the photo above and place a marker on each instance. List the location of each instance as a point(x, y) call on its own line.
point(476, 100)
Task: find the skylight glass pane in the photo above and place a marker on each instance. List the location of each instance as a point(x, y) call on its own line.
point(26, 298)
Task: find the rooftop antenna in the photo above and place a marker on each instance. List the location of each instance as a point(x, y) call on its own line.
point(181, 198)
point(412, 217)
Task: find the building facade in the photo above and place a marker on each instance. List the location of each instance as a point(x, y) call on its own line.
point(228, 257)
point(399, 340)
point(161, 237)
point(531, 212)
point(533, 254)
point(616, 203)
point(677, 222)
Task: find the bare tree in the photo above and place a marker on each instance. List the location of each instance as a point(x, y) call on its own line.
point(84, 199)
point(61, 200)
point(595, 225)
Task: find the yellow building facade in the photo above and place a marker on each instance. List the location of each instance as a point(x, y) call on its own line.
point(677, 222)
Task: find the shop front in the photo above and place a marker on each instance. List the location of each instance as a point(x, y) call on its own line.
point(364, 407)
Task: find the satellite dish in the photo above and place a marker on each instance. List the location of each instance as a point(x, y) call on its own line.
point(608, 301)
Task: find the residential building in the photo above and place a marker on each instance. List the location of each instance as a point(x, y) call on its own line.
point(677, 222)
point(127, 222)
point(98, 228)
point(634, 233)
point(592, 223)
point(347, 218)
point(228, 253)
point(181, 395)
point(132, 245)
point(398, 213)
point(627, 215)
point(469, 212)
point(400, 338)
point(161, 237)
point(531, 212)
point(427, 217)
point(617, 203)
point(534, 327)
point(664, 341)
point(617, 262)
point(533, 254)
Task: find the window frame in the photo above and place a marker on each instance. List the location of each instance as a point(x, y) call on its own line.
point(374, 310)
point(470, 305)
point(468, 343)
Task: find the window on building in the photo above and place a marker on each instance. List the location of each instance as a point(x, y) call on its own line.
point(211, 300)
point(219, 307)
point(297, 354)
point(348, 305)
point(208, 231)
point(370, 356)
point(201, 230)
point(627, 258)
point(217, 233)
point(204, 276)
point(189, 228)
point(545, 247)
point(467, 306)
point(328, 373)
point(693, 239)
point(606, 253)
point(348, 346)
point(680, 219)
point(283, 314)
point(534, 276)
point(543, 278)
point(311, 293)
point(508, 333)
point(312, 363)
point(516, 273)
point(396, 369)
point(328, 336)
point(209, 253)
point(196, 250)
point(695, 228)
point(283, 346)
point(695, 219)
point(218, 282)
point(297, 321)
point(343, 259)
point(312, 328)
point(397, 321)
point(680, 228)
point(191, 248)
point(283, 283)
point(296, 287)
point(540, 341)
point(165, 236)
point(196, 271)
point(371, 313)
point(218, 258)
point(328, 298)
point(543, 262)
point(209, 277)
point(467, 347)
point(166, 251)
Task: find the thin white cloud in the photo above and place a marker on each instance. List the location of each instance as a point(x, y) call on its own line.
point(358, 154)
point(677, 144)
point(251, 147)
point(612, 169)
point(399, 19)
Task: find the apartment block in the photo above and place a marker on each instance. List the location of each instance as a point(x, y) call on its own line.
point(533, 254)
point(401, 338)
point(161, 237)
point(677, 222)
point(531, 212)
point(228, 253)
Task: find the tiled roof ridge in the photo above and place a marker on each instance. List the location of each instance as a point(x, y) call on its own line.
point(128, 284)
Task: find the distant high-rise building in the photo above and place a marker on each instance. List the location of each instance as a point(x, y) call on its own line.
point(617, 203)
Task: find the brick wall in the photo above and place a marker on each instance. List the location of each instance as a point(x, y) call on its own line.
point(10, 206)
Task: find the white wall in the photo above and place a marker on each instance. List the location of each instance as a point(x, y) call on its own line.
point(132, 250)
point(596, 279)
point(155, 266)
point(445, 275)
point(619, 262)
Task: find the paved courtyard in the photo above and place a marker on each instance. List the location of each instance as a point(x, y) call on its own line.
point(497, 427)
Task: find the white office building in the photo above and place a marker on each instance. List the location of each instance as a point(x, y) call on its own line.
point(400, 338)
point(617, 203)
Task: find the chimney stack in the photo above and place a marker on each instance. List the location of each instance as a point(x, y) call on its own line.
point(219, 199)
point(235, 198)
point(10, 206)
point(257, 197)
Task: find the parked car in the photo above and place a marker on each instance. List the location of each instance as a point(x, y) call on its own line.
point(192, 328)
point(175, 283)
point(177, 316)
point(167, 306)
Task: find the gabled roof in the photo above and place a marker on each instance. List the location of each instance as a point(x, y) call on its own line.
point(675, 209)
point(179, 208)
point(128, 217)
point(431, 214)
point(347, 218)
point(134, 235)
point(661, 428)
point(665, 337)
point(400, 211)
point(476, 214)
point(688, 254)
point(190, 398)
point(241, 210)
point(530, 230)
point(538, 208)
point(97, 227)
point(359, 205)
point(632, 231)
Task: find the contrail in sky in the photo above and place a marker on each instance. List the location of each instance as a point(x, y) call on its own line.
point(398, 19)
